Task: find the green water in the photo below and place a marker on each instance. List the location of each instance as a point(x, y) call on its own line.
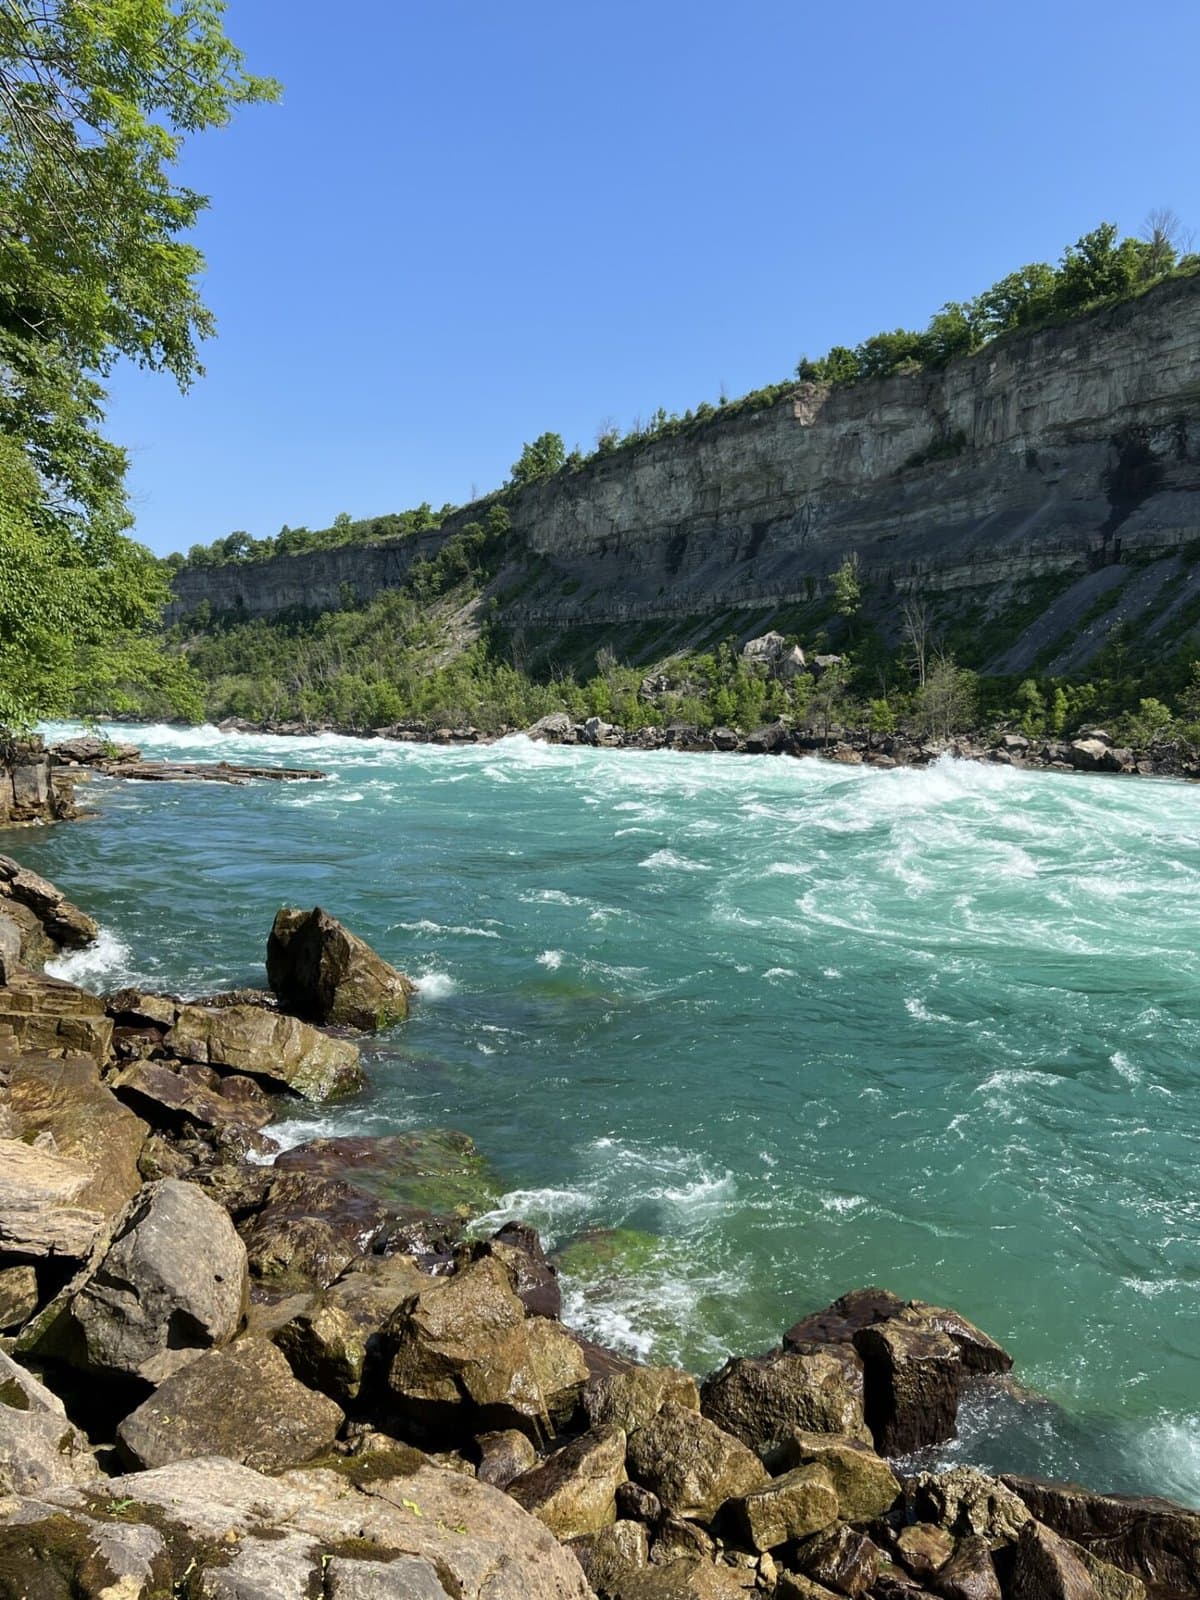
point(809, 1027)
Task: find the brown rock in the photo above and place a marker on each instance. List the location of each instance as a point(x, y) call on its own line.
point(574, 1490)
point(969, 1574)
point(762, 1400)
point(66, 1101)
point(611, 1556)
point(1155, 1539)
point(18, 1296)
point(866, 1486)
point(321, 971)
point(966, 1501)
point(242, 1403)
point(687, 1579)
point(638, 1504)
point(503, 1456)
point(677, 1539)
point(310, 1231)
point(62, 925)
point(40, 1213)
point(839, 1322)
point(282, 1052)
point(841, 1558)
point(1047, 1568)
point(632, 1398)
point(692, 1465)
point(175, 1095)
point(54, 1018)
point(800, 1503)
point(924, 1548)
point(913, 1376)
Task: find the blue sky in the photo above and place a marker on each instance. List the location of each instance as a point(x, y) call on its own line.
point(470, 222)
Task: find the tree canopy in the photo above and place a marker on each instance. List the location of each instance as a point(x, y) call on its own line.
point(96, 100)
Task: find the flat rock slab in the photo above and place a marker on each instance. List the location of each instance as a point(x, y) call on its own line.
point(241, 1402)
point(204, 772)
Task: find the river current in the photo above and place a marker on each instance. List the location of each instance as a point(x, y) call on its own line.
point(806, 1026)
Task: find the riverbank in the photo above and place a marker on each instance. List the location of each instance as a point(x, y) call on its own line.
point(373, 1370)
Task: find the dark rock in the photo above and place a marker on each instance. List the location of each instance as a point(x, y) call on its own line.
point(53, 923)
point(839, 1322)
point(574, 1490)
point(321, 971)
point(1047, 1568)
point(503, 1456)
point(678, 1539)
point(281, 1052)
point(638, 1503)
point(310, 1230)
point(610, 1557)
point(841, 1558)
point(913, 1376)
point(762, 1400)
point(1153, 1538)
point(438, 1170)
point(692, 1465)
point(242, 1403)
point(174, 1095)
point(332, 1335)
point(970, 1573)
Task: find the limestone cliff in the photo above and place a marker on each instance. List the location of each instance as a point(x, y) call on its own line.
point(1073, 448)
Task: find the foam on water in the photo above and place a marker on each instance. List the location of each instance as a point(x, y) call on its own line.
point(106, 964)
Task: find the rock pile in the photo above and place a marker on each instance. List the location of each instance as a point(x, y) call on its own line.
point(240, 1380)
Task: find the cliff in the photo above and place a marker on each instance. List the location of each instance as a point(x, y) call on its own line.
point(1072, 448)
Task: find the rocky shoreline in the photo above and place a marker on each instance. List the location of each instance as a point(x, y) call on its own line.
point(235, 1373)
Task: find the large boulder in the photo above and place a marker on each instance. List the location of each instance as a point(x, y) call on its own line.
point(840, 1558)
point(329, 1337)
point(913, 1378)
point(177, 1096)
point(799, 1503)
point(65, 1102)
point(967, 1502)
point(631, 1399)
point(838, 1323)
point(691, 1464)
point(762, 1400)
point(1047, 1567)
point(321, 971)
point(282, 1052)
point(40, 1210)
point(1154, 1539)
point(48, 921)
point(171, 1284)
point(573, 1491)
point(689, 1578)
point(38, 1446)
point(222, 1531)
point(970, 1573)
point(52, 1017)
point(461, 1357)
point(241, 1402)
point(866, 1486)
point(310, 1230)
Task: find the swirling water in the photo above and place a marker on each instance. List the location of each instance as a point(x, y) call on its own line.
point(810, 1026)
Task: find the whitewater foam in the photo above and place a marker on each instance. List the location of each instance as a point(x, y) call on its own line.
point(104, 964)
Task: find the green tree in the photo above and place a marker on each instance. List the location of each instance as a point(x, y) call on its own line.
point(95, 103)
point(847, 589)
point(541, 459)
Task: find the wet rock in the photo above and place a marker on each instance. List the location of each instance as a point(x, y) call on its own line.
point(691, 1464)
point(503, 1456)
point(241, 1402)
point(838, 1323)
point(799, 1503)
point(574, 1490)
point(322, 972)
point(1094, 755)
point(631, 1399)
point(282, 1052)
point(796, 1586)
point(1046, 1567)
point(676, 1538)
point(461, 1357)
point(171, 1284)
point(48, 920)
point(435, 1169)
point(1154, 1539)
point(924, 1548)
point(638, 1504)
point(38, 1446)
point(178, 1095)
point(970, 1573)
point(978, 1353)
point(866, 1486)
point(54, 1018)
point(534, 1276)
point(66, 1102)
point(762, 1400)
point(840, 1558)
point(310, 1230)
point(10, 947)
point(967, 1502)
point(913, 1377)
point(611, 1556)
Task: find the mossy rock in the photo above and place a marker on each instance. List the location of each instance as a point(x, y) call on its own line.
point(607, 1253)
point(429, 1169)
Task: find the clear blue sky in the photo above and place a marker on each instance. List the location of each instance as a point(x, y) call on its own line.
point(469, 222)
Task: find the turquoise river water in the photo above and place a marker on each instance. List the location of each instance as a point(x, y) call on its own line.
point(810, 1026)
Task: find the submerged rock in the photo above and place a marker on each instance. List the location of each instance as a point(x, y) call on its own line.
point(321, 971)
point(438, 1170)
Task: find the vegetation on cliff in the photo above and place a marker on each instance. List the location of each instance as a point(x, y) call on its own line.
point(95, 103)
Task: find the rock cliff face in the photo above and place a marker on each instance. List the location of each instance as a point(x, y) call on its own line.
point(1068, 449)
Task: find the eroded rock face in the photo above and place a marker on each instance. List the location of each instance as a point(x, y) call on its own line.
point(330, 1336)
point(866, 1486)
point(321, 971)
point(54, 1018)
point(692, 1465)
point(762, 1400)
point(65, 1101)
point(967, 1502)
point(913, 1378)
point(241, 1402)
point(799, 1503)
point(632, 1398)
point(282, 1052)
point(171, 1285)
point(48, 921)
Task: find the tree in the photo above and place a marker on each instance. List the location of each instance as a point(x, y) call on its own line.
point(1165, 239)
point(541, 459)
point(915, 631)
point(946, 704)
point(847, 590)
point(95, 103)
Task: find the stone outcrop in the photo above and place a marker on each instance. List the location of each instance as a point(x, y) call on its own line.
point(282, 1052)
point(693, 1466)
point(33, 788)
point(322, 972)
point(1059, 450)
point(763, 1399)
point(39, 1447)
